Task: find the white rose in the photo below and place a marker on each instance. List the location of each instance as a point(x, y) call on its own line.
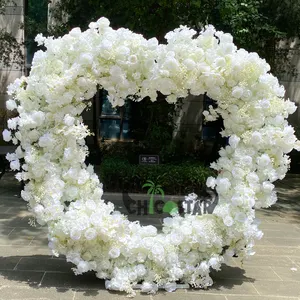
point(90, 234)
point(148, 287)
point(83, 267)
point(15, 165)
point(46, 140)
point(267, 187)
point(223, 185)
point(233, 141)
point(75, 32)
point(12, 123)
point(237, 92)
point(103, 22)
point(263, 160)
point(290, 107)
point(228, 221)
point(211, 182)
point(11, 104)
point(6, 135)
point(75, 234)
point(83, 177)
point(114, 252)
point(170, 287)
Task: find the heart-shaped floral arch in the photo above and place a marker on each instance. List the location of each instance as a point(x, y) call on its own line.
point(66, 194)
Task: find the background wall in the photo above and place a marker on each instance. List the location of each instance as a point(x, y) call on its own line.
point(10, 21)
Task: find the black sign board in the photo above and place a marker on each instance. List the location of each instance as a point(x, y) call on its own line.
point(145, 159)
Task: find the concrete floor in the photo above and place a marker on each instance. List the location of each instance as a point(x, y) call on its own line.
point(28, 271)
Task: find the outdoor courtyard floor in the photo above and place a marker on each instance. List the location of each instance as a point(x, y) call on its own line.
point(28, 270)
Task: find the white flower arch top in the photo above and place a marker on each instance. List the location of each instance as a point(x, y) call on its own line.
point(50, 134)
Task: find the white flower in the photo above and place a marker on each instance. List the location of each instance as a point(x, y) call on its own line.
point(75, 32)
point(83, 177)
point(40, 39)
point(75, 234)
point(12, 123)
point(170, 286)
point(6, 135)
point(46, 140)
point(233, 141)
point(103, 22)
point(223, 184)
point(90, 234)
point(228, 221)
point(237, 92)
point(148, 287)
point(264, 160)
point(15, 165)
point(267, 187)
point(256, 138)
point(66, 194)
point(83, 267)
point(211, 182)
point(114, 252)
point(11, 104)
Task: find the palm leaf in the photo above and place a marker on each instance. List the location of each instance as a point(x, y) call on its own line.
point(151, 191)
point(146, 185)
point(150, 181)
point(161, 191)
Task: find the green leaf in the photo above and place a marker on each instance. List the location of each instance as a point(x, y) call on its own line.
point(161, 191)
point(147, 185)
point(150, 181)
point(170, 206)
point(151, 191)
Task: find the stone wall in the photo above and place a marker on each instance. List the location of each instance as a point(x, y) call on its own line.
point(11, 21)
point(292, 82)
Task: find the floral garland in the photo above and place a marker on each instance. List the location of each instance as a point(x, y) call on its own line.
point(65, 194)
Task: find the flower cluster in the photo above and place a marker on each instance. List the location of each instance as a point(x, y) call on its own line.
point(65, 194)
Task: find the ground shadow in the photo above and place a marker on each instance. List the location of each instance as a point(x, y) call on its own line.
point(42, 271)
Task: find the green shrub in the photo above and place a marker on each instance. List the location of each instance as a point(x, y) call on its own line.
point(118, 175)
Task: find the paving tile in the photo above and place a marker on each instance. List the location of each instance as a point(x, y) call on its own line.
point(263, 242)
point(278, 288)
point(24, 251)
point(292, 234)
point(279, 226)
point(39, 242)
point(160, 295)
point(23, 236)
point(70, 280)
point(295, 259)
point(9, 262)
point(286, 274)
point(15, 239)
point(241, 297)
point(24, 278)
point(104, 294)
point(17, 221)
point(265, 260)
point(24, 293)
point(246, 273)
point(282, 242)
point(18, 209)
point(42, 263)
point(196, 296)
point(5, 231)
point(229, 286)
point(277, 251)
